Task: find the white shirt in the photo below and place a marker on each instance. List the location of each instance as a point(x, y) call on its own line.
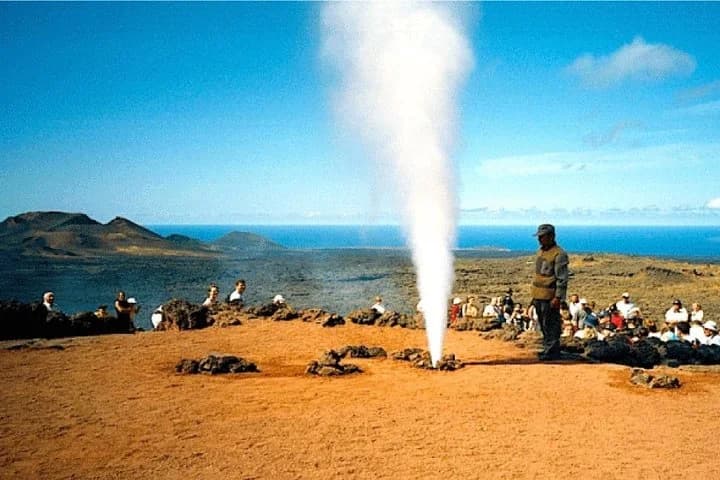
point(624, 307)
point(378, 308)
point(235, 295)
point(714, 340)
point(696, 316)
point(574, 309)
point(680, 316)
point(48, 306)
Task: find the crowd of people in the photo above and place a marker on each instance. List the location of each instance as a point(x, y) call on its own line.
point(581, 318)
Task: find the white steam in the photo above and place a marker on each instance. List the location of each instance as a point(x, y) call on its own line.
point(401, 65)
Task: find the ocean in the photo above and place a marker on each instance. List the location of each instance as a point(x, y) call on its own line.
point(686, 242)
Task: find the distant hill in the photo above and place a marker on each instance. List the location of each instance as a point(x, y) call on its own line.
point(76, 235)
point(245, 241)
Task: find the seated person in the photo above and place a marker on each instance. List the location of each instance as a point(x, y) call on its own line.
point(683, 332)
point(493, 309)
point(455, 310)
point(156, 316)
point(101, 311)
point(278, 300)
point(667, 334)
point(696, 313)
point(469, 309)
point(378, 306)
point(49, 301)
point(711, 333)
point(676, 313)
point(236, 296)
point(616, 317)
point(213, 295)
point(624, 305)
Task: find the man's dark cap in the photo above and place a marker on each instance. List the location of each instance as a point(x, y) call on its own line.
point(545, 229)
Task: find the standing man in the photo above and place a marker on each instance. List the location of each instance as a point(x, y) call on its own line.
point(549, 288)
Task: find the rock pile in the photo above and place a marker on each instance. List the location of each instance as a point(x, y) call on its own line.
point(506, 333)
point(180, 314)
point(639, 377)
point(420, 358)
point(318, 315)
point(328, 365)
point(368, 316)
point(215, 364)
point(22, 320)
point(361, 351)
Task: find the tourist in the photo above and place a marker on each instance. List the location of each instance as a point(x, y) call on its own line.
point(624, 304)
point(711, 333)
point(667, 334)
point(508, 304)
point(236, 297)
point(616, 317)
point(682, 330)
point(101, 312)
point(157, 317)
point(575, 307)
point(213, 295)
point(469, 309)
point(518, 317)
point(676, 313)
point(586, 316)
point(125, 311)
point(49, 301)
point(455, 311)
point(696, 313)
point(493, 309)
point(280, 300)
point(549, 287)
point(697, 332)
point(378, 306)
point(653, 330)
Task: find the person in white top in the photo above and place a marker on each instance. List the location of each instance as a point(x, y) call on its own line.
point(676, 313)
point(378, 306)
point(212, 298)
point(236, 296)
point(49, 301)
point(624, 305)
point(574, 307)
point(696, 313)
point(711, 333)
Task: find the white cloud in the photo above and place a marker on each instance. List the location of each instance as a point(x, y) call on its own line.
point(714, 203)
point(637, 60)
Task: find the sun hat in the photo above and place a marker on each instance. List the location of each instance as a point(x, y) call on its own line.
point(626, 295)
point(711, 325)
point(131, 300)
point(457, 301)
point(278, 299)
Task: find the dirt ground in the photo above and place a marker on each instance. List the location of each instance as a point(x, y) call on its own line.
point(113, 407)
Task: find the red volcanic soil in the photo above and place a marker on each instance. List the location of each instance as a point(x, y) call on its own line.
point(113, 407)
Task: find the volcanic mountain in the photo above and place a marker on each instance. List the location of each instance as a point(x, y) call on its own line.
point(76, 234)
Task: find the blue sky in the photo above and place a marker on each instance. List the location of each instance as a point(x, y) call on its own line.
point(222, 113)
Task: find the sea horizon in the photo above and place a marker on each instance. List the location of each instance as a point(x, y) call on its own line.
point(700, 242)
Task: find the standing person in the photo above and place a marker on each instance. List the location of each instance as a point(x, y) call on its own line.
point(549, 288)
point(124, 311)
point(455, 310)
